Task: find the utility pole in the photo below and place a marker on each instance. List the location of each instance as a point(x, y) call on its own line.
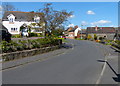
point(81, 31)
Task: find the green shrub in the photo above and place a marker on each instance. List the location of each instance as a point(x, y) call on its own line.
point(8, 46)
point(16, 36)
point(89, 37)
point(118, 42)
point(95, 37)
point(101, 38)
point(39, 35)
point(33, 34)
point(13, 46)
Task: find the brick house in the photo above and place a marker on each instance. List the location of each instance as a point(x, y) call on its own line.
point(82, 33)
point(72, 32)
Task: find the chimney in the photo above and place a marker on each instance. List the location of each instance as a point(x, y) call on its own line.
point(76, 27)
point(96, 28)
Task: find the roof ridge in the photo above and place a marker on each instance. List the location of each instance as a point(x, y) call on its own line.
point(21, 12)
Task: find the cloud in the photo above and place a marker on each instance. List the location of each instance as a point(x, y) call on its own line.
point(101, 22)
point(71, 25)
point(90, 12)
point(72, 16)
point(84, 23)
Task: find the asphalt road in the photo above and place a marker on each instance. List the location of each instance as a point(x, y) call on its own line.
point(78, 66)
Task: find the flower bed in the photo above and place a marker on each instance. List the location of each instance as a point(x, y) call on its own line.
point(20, 45)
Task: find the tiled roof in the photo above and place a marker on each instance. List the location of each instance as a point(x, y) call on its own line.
point(72, 29)
point(21, 16)
point(100, 30)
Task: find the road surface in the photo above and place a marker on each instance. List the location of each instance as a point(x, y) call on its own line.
point(78, 66)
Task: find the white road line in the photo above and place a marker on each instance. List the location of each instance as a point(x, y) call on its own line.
point(102, 72)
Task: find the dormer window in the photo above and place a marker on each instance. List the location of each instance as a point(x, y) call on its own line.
point(11, 18)
point(37, 19)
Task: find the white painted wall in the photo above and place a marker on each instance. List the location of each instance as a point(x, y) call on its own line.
point(16, 24)
point(76, 31)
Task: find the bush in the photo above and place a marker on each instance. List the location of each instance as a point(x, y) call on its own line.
point(16, 36)
point(95, 37)
point(39, 35)
point(101, 38)
point(13, 46)
point(33, 34)
point(89, 37)
point(118, 42)
point(8, 46)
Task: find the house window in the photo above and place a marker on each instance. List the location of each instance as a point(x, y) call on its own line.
point(13, 29)
point(11, 20)
point(37, 20)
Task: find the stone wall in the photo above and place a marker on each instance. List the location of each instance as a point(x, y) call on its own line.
point(108, 36)
point(26, 53)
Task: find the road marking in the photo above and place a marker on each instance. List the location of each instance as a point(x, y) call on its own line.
point(103, 70)
point(98, 81)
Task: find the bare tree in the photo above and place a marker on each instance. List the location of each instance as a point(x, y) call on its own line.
point(53, 18)
point(8, 7)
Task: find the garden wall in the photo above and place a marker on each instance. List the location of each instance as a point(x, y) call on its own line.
point(26, 53)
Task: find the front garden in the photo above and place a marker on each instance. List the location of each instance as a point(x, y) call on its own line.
point(20, 45)
point(102, 40)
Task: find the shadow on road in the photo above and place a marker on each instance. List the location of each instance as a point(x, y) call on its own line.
point(115, 49)
point(117, 78)
point(66, 46)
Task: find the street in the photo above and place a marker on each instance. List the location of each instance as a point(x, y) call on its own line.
point(78, 66)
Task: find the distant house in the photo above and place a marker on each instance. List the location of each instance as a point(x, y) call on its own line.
point(108, 32)
point(72, 32)
point(82, 33)
point(14, 20)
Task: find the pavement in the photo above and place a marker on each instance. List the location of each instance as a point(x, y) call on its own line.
point(65, 47)
point(85, 63)
point(111, 72)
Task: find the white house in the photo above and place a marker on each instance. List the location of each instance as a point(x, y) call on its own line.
point(76, 31)
point(72, 32)
point(14, 20)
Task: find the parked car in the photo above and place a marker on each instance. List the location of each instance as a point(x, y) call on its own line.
point(5, 35)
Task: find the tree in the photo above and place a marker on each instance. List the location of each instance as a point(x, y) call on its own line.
point(8, 7)
point(95, 37)
point(53, 18)
point(57, 32)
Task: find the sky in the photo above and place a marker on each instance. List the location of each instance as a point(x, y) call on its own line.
point(84, 13)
